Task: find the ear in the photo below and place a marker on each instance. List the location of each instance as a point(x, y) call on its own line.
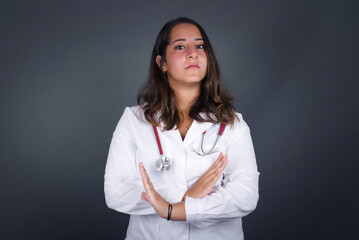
point(162, 66)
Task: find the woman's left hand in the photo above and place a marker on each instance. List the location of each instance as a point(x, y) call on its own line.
point(158, 203)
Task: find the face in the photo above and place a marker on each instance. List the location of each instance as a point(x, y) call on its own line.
point(186, 59)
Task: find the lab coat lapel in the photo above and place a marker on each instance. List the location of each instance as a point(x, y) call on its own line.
point(174, 133)
point(196, 130)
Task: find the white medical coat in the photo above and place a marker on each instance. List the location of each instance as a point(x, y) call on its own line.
point(216, 216)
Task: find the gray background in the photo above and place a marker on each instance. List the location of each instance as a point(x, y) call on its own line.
point(68, 69)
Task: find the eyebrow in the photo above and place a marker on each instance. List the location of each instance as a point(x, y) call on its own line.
point(183, 39)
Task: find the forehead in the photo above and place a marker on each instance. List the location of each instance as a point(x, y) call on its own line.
point(186, 31)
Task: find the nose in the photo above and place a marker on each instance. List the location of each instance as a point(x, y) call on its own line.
point(192, 53)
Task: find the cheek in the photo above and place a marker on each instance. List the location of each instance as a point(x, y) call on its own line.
point(173, 60)
point(203, 57)
point(204, 61)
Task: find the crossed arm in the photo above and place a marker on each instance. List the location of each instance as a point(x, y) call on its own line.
point(201, 188)
point(206, 203)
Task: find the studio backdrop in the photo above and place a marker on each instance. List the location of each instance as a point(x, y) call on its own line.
point(69, 68)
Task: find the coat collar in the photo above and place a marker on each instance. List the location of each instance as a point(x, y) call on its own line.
point(196, 129)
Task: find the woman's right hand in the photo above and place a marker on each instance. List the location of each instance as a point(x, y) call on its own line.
point(203, 186)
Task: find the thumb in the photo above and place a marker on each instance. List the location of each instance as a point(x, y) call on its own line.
point(144, 195)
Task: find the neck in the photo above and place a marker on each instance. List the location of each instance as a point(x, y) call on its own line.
point(185, 97)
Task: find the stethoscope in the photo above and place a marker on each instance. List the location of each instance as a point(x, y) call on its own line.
point(163, 164)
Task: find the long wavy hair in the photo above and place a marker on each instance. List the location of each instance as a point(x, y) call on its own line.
point(157, 98)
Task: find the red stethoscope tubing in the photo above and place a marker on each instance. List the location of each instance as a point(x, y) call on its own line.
point(158, 140)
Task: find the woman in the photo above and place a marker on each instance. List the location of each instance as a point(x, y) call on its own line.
point(207, 178)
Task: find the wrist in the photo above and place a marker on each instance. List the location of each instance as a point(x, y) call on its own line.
point(185, 195)
point(165, 210)
point(169, 213)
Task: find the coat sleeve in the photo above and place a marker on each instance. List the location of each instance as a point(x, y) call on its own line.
point(237, 195)
point(122, 186)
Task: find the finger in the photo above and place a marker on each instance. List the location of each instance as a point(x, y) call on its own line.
point(142, 172)
point(145, 176)
point(213, 171)
point(218, 160)
point(214, 176)
point(219, 172)
point(216, 164)
point(224, 162)
point(145, 183)
point(141, 167)
point(145, 179)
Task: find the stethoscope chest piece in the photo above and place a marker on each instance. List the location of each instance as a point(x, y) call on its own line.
point(163, 164)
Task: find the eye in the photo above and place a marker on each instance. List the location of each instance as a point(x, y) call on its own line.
point(179, 47)
point(200, 46)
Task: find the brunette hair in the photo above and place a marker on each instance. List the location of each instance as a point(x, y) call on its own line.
point(157, 98)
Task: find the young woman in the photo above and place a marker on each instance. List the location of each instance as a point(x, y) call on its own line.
point(182, 163)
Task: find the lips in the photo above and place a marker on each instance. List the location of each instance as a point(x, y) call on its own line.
point(192, 66)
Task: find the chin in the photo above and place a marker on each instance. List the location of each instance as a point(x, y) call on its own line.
point(188, 80)
point(195, 78)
